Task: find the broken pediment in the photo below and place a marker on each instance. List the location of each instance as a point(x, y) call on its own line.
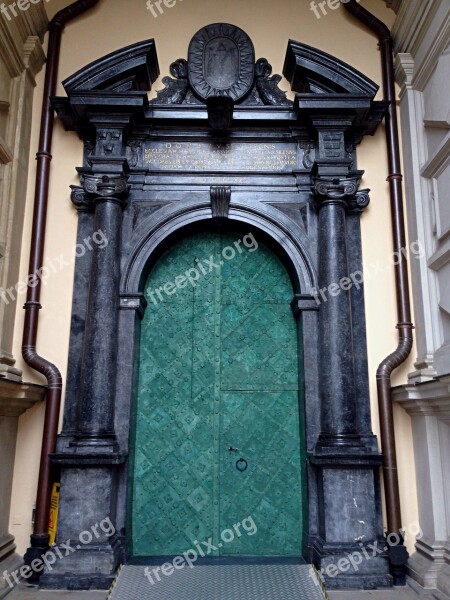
point(221, 62)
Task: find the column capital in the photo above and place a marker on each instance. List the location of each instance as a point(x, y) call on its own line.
point(360, 201)
point(112, 188)
point(342, 190)
point(81, 200)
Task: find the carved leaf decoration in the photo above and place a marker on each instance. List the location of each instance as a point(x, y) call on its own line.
point(267, 86)
point(176, 89)
point(270, 92)
point(174, 92)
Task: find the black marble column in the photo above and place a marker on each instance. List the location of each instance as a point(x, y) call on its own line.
point(337, 381)
point(96, 410)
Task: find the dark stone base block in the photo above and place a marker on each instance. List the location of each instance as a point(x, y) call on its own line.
point(76, 582)
point(353, 568)
point(358, 582)
point(88, 547)
point(88, 568)
point(350, 551)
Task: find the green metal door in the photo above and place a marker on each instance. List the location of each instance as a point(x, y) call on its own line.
point(218, 426)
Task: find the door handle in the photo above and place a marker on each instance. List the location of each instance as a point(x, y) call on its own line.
point(241, 465)
point(231, 449)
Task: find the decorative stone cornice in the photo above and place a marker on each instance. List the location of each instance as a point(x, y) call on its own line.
point(11, 49)
point(422, 29)
point(34, 56)
point(16, 398)
point(428, 399)
point(33, 21)
point(404, 70)
point(14, 35)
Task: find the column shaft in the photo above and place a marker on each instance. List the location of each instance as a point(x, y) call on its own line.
point(337, 383)
point(99, 360)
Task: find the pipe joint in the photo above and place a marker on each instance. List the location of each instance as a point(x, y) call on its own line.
point(398, 357)
point(30, 305)
point(44, 155)
point(69, 13)
point(395, 176)
point(48, 369)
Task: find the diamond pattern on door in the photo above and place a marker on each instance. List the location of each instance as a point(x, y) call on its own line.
point(219, 368)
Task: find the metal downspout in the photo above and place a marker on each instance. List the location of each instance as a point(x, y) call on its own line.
point(40, 538)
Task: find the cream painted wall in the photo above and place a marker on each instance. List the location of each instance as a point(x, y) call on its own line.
point(114, 24)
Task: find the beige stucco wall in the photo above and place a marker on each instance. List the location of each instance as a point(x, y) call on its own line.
point(114, 24)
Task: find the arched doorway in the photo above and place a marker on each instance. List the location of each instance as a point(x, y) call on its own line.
point(218, 438)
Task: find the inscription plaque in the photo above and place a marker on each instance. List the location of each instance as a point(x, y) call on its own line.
point(232, 156)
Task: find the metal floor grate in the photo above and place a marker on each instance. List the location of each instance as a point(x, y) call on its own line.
point(220, 582)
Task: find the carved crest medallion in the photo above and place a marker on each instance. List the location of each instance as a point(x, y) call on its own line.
point(221, 62)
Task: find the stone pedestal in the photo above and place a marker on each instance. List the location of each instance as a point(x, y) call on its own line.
point(428, 404)
point(15, 399)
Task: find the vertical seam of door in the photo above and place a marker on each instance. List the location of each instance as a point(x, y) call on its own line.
point(217, 394)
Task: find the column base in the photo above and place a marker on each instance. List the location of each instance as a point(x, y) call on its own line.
point(105, 443)
point(425, 565)
point(10, 562)
point(350, 551)
point(346, 567)
point(328, 443)
point(443, 580)
point(90, 568)
point(11, 373)
point(86, 522)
